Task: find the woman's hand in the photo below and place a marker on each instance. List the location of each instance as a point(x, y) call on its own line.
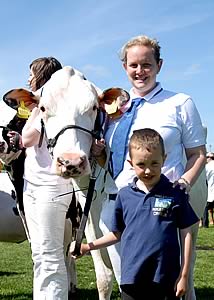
point(98, 151)
point(184, 184)
point(97, 147)
point(15, 140)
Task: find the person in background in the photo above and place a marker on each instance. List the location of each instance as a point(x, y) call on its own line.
point(176, 118)
point(208, 213)
point(150, 206)
point(45, 216)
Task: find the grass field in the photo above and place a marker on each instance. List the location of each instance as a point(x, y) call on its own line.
point(16, 271)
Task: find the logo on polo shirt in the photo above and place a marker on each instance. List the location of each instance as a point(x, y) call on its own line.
point(161, 206)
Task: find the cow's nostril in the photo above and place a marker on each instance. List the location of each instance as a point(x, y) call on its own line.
point(70, 167)
point(82, 162)
point(60, 160)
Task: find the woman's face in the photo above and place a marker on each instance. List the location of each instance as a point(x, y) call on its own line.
point(31, 80)
point(142, 68)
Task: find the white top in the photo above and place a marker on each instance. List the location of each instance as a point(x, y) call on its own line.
point(210, 180)
point(38, 163)
point(175, 117)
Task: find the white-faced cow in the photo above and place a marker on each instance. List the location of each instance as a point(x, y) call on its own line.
point(70, 104)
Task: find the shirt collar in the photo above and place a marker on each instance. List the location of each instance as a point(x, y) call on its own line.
point(159, 187)
point(148, 96)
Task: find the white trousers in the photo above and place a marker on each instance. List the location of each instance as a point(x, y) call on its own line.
point(45, 219)
point(114, 250)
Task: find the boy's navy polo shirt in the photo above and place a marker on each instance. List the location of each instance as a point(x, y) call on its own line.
point(149, 225)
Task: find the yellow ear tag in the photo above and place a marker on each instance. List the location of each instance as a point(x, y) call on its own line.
point(111, 108)
point(23, 111)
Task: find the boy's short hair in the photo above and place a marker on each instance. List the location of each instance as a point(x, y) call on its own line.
point(146, 138)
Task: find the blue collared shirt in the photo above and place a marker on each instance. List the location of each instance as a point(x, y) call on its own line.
point(149, 225)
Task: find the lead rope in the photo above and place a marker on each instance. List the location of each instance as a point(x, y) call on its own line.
point(89, 197)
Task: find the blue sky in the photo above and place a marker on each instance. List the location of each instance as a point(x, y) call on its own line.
point(88, 34)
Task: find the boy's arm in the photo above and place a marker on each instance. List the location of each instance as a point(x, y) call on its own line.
point(107, 240)
point(181, 284)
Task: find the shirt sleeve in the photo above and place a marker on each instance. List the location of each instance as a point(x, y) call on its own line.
point(185, 213)
point(193, 133)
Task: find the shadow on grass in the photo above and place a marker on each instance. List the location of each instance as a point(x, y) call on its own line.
point(4, 273)
point(23, 296)
point(204, 248)
point(82, 294)
point(92, 294)
point(205, 293)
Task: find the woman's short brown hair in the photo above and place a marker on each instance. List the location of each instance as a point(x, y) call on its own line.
point(43, 68)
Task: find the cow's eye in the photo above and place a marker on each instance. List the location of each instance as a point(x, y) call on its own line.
point(94, 107)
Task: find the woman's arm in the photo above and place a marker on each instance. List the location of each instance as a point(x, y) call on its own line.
point(196, 160)
point(30, 136)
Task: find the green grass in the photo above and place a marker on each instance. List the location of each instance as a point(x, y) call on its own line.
point(16, 271)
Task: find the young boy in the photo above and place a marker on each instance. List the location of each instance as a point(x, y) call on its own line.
point(152, 219)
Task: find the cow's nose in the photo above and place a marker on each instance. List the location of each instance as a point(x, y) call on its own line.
point(73, 165)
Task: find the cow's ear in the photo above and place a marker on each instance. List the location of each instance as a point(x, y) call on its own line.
point(14, 97)
point(113, 100)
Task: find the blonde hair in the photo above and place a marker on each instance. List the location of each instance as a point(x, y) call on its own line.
point(140, 40)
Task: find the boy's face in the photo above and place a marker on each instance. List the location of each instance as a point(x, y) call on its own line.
point(147, 165)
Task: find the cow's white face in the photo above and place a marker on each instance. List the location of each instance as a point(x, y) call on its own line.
point(69, 99)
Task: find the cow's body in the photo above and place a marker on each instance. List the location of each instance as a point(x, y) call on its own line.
point(79, 147)
point(11, 181)
point(11, 227)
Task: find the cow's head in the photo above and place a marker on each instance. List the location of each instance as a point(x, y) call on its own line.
point(69, 99)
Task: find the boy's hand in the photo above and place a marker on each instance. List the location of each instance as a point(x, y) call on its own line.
point(83, 250)
point(181, 286)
